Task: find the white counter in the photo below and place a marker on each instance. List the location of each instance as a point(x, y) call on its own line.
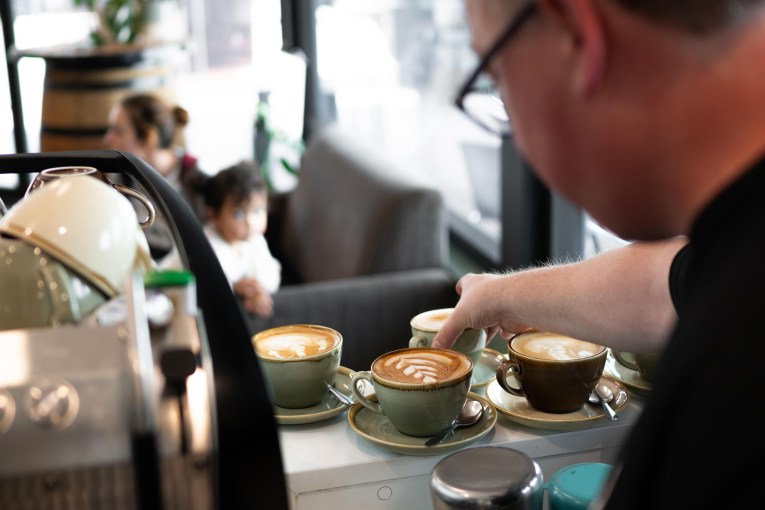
point(328, 466)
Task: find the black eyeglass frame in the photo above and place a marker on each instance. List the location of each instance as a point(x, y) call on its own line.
point(469, 85)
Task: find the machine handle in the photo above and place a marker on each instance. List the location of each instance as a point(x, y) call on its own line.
point(144, 429)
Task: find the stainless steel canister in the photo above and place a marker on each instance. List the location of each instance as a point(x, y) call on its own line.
point(487, 477)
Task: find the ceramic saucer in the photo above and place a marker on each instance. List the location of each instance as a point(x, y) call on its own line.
point(376, 429)
point(327, 408)
point(519, 410)
point(630, 378)
point(486, 370)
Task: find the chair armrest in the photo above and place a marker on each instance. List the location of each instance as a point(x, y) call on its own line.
point(371, 312)
point(277, 219)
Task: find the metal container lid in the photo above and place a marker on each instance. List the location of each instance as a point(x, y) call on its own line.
point(575, 487)
point(487, 478)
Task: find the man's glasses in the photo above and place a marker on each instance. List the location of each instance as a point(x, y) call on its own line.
point(479, 97)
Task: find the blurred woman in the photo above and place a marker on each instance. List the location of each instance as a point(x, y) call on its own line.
point(147, 127)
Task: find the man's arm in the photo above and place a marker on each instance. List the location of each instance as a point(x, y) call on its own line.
point(619, 298)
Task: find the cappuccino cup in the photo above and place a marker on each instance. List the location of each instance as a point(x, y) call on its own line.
point(426, 325)
point(555, 373)
point(645, 363)
point(420, 390)
point(298, 362)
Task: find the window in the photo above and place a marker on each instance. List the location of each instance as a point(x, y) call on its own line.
point(389, 71)
point(226, 51)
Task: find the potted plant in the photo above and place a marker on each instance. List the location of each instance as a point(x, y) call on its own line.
point(120, 22)
point(84, 81)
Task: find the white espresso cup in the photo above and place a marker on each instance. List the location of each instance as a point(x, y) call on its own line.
point(84, 223)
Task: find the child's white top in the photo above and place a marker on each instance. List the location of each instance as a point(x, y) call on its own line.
point(250, 258)
point(244, 258)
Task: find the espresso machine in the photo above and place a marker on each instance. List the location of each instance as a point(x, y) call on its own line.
point(154, 400)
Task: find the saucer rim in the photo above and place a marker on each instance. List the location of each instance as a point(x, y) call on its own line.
point(560, 422)
point(640, 386)
point(299, 418)
point(494, 354)
point(447, 446)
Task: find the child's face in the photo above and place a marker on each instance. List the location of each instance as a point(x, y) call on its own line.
point(237, 222)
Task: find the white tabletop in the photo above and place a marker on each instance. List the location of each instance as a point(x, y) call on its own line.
point(328, 462)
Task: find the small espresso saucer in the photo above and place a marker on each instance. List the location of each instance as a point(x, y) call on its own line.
point(485, 370)
point(632, 379)
point(378, 430)
point(518, 409)
point(329, 406)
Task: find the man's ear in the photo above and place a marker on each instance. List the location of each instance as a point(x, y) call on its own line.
point(582, 22)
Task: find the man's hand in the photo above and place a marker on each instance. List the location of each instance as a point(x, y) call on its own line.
point(481, 297)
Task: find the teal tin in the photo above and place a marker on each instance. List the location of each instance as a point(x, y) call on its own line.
point(574, 487)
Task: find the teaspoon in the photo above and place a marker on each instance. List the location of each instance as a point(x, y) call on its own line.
point(602, 394)
point(470, 414)
point(342, 397)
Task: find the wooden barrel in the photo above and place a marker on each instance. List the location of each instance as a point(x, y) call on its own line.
point(80, 91)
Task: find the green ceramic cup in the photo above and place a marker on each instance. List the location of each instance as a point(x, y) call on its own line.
point(298, 362)
point(426, 325)
point(40, 291)
point(420, 390)
point(643, 362)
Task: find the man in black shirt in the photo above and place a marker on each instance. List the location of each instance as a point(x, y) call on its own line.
point(651, 116)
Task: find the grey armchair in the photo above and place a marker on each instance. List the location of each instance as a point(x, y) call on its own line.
point(363, 248)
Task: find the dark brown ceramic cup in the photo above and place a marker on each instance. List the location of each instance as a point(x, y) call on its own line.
point(555, 373)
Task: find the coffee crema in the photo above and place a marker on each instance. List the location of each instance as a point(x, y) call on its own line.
point(547, 346)
point(422, 366)
point(432, 320)
point(295, 342)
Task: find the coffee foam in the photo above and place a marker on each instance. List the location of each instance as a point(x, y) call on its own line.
point(421, 366)
point(432, 320)
point(295, 342)
point(554, 347)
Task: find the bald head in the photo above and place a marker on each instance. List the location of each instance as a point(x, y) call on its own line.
point(588, 126)
point(697, 16)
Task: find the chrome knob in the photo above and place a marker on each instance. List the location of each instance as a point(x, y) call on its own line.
point(52, 404)
point(7, 410)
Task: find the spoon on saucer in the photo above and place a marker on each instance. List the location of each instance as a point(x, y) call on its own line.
point(342, 397)
point(470, 414)
point(602, 394)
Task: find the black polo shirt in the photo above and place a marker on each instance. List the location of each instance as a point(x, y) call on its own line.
point(700, 441)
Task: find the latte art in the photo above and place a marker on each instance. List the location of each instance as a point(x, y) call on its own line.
point(295, 342)
point(421, 366)
point(432, 320)
point(292, 346)
point(554, 347)
point(419, 369)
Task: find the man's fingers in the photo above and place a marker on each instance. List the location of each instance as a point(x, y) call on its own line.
point(448, 334)
point(461, 282)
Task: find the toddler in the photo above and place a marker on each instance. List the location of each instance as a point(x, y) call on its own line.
point(236, 200)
